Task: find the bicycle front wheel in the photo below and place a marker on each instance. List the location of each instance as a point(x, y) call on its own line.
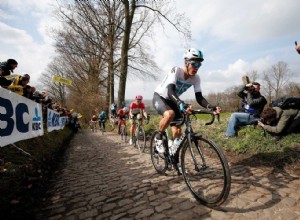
point(159, 160)
point(206, 171)
point(140, 138)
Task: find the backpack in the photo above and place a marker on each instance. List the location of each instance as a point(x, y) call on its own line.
point(286, 103)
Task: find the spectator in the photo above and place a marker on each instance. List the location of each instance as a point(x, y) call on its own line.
point(297, 47)
point(18, 84)
point(280, 122)
point(28, 92)
point(113, 109)
point(123, 104)
point(46, 100)
point(8, 67)
point(253, 103)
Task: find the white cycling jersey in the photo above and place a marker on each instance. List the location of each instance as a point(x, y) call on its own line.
point(176, 76)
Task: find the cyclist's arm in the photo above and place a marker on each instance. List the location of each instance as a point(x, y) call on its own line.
point(130, 113)
point(172, 95)
point(203, 102)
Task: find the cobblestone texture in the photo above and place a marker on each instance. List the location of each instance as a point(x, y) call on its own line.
point(103, 178)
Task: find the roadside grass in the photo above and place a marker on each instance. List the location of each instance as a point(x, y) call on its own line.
point(251, 140)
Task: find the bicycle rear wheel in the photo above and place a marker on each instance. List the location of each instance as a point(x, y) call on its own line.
point(206, 171)
point(140, 138)
point(159, 160)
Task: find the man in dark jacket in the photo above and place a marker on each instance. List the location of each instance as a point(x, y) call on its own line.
point(6, 69)
point(280, 122)
point(253, 104)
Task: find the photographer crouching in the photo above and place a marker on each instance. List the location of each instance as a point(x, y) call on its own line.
point(253, 104)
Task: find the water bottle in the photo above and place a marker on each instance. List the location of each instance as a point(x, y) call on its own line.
point(175, 145)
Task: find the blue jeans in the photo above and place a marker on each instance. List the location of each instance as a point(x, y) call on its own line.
point(237, 120)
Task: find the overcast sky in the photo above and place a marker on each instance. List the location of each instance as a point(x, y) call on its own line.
point(234, 36)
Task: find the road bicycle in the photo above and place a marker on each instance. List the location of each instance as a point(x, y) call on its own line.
point(93, 125)
point(204, 166)
point(101, 125)
point(138, 136)
point(123, 130)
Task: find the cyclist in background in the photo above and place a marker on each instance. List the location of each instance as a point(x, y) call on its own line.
point(93, 121)
point(121, 115)
point(137, 108)
point(102, 119)
point(166, 99)
point(126, 111)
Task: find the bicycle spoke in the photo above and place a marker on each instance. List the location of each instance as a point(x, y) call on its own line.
point(206, 172)
point(158, 160)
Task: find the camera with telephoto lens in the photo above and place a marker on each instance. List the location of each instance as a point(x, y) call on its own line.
point(250, 89)
point(262, 120)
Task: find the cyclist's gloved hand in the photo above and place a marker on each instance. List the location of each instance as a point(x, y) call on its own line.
point(183, 106)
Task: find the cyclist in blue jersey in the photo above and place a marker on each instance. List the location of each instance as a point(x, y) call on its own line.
point(166, 99)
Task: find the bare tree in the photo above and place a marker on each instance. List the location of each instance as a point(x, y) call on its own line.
point(253, 76)
point(292, 89)
point(130, 8)
point(55, 89)
point(275, 79)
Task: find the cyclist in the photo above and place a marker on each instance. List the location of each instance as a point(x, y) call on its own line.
point(166, 99)
point(102, 119)
point(126, 111)
point(137, 109)
point(93, 122)
point(121, 115)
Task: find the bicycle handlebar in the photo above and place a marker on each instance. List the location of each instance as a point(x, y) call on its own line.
point(205, 111)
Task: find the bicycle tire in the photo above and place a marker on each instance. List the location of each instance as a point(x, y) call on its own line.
point(210, 180)
point(141, 138)
point(159, 160)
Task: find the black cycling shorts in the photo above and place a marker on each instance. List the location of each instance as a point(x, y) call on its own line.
point(161, 105)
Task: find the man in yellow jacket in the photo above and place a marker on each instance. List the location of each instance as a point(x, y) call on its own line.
point(18, 84)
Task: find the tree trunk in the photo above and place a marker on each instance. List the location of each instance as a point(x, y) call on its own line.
point(124, 51)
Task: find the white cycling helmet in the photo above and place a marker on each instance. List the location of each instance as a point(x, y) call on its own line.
point(193, 54)
point(125, 109)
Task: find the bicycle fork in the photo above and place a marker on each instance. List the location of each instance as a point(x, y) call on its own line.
point(203, 165)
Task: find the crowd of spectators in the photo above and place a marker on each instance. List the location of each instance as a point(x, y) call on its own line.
point(20, 85)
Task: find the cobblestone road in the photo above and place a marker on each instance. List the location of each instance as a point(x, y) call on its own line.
point(103, 178)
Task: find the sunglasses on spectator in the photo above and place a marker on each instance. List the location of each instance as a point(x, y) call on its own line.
point(195, 64)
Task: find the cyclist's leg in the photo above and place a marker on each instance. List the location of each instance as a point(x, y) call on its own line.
point(164, 108)
point(131, 130)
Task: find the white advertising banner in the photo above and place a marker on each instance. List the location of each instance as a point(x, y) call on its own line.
point(20, 118)
point(54, 122)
